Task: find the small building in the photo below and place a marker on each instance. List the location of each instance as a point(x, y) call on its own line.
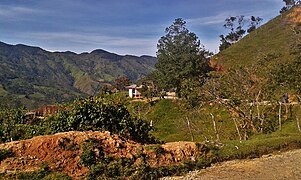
point(170, 95)
point(134, 91)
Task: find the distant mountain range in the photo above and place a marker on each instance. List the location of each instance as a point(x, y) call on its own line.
point(32, 76)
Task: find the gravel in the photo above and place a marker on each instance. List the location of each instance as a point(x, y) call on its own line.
point(286, 165)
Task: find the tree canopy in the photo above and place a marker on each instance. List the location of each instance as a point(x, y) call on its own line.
point(181, 57)
point(289, 4)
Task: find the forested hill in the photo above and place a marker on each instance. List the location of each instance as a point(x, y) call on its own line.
point(32, 77)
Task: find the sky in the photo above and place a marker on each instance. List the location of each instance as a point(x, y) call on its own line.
point(120, 26)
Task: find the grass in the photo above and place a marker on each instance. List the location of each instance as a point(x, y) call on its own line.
point(271, 43)
point(170, 120)
point(3, 92)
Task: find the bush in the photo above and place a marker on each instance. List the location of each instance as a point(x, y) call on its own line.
point(4, 153)
point(99, 114)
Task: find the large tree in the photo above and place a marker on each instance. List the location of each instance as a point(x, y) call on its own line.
point(181, 58)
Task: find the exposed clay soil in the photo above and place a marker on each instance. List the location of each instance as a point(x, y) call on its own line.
point(295, 16)
point(62, 152)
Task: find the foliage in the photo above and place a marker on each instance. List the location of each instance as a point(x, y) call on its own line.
point(103, 113)
point(122, 82)
point(286, 75)
point(289, 4)
point(246, 96)
point(9, 119)
point(44, 173)
point(180, 57)
point(4, 153)
point(137, 167)
point(99, 114)
point(269, 49)
point(33, 77)
point(236, 26)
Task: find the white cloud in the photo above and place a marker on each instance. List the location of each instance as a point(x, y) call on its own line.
point(16, 11)
point(209, 20)
point(79, 42)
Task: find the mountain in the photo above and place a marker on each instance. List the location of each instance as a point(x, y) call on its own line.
point(32, 77)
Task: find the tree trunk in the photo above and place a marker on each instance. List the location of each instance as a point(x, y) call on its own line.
point(298, 124)
point(237, 129)
point(188, 124)
point(258, 112)
point(214, 126)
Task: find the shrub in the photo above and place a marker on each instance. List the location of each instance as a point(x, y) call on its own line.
point(99, 114)
point(4, 153)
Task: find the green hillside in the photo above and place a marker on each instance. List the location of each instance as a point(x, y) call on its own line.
point(33, 77)
point(271, 53)
point(271, 43)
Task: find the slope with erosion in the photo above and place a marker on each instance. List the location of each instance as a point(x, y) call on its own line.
point(62, 152)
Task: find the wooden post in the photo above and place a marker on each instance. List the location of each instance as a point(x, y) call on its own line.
point(298, 124)
point(214, 126)
point(188, 124)
point(279, 116)
point(237, 129)
point(258, 112)
point(297, 117)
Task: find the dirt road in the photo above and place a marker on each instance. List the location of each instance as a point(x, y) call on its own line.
point(285, 165)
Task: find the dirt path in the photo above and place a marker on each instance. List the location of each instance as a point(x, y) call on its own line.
point(286, 165)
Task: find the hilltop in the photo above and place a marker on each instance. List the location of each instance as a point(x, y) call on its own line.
point(33, 77)
point(265, 62)
point(270, 44)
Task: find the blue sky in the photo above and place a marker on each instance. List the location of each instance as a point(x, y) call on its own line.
point(119, 26)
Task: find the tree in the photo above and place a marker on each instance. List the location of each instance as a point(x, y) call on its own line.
point(244, 93)
point(289, 4)
point(254, 23)
point(180, 57)
point(236, 25)
point(122, 82)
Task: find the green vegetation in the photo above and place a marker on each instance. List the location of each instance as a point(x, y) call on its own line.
point(238, 113)
point(4, 153)
point(102, 166)
point(270, 44)
point(182, 61)
point(93, 113)
point(61, 77)
point(44, 174)
point(170, 120)
point(236, 25)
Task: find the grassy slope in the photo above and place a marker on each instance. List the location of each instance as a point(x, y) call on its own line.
point(170, 121)
point(265, 47)
point(270, 44)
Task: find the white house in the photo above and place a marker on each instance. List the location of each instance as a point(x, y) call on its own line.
point(134, 91)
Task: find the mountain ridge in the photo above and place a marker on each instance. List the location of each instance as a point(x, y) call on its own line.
point(30, 75)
